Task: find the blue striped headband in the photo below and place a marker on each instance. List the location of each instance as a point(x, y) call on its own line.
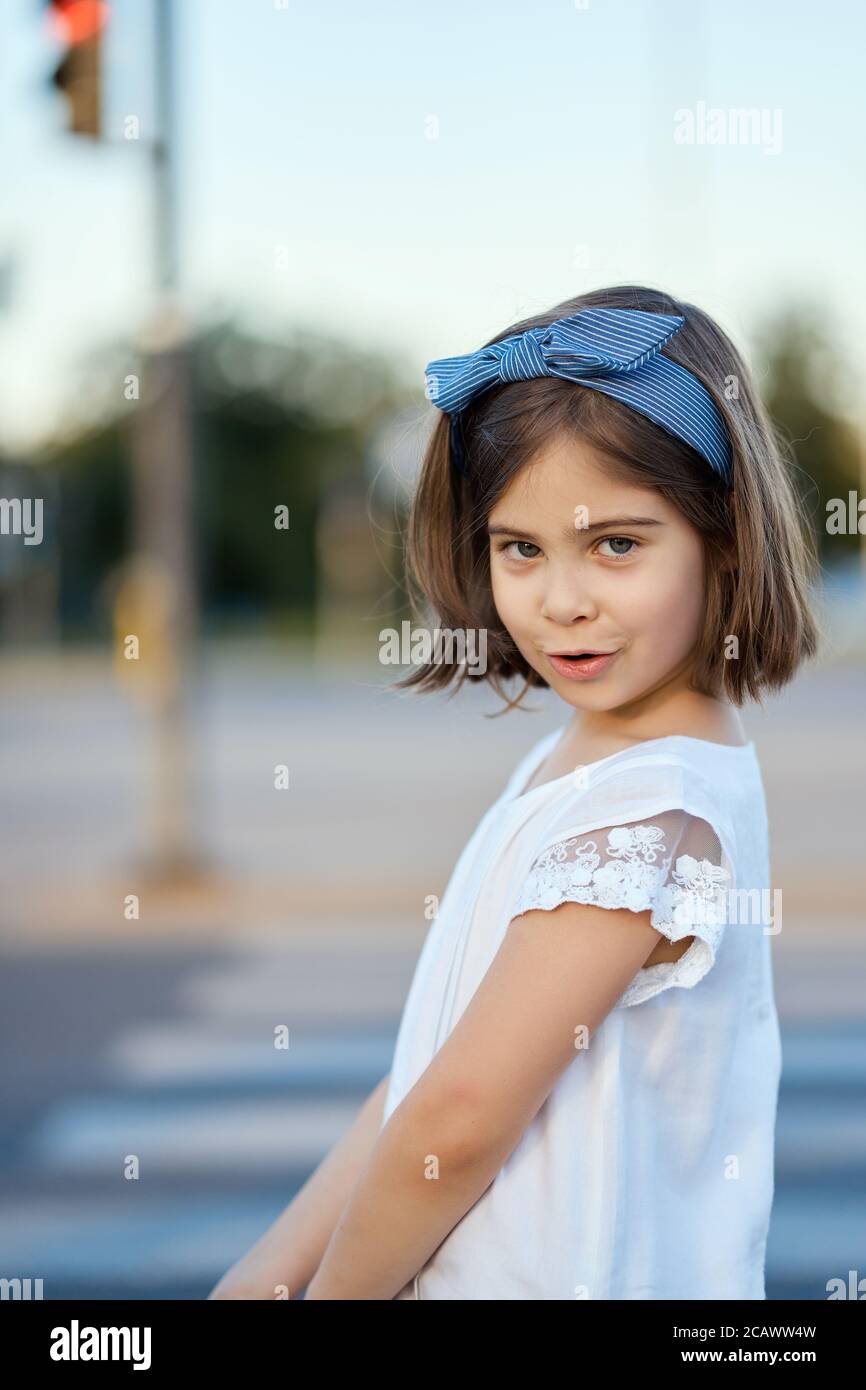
point(617, 351)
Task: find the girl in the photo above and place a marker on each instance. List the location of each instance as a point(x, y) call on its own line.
point(583, 1094)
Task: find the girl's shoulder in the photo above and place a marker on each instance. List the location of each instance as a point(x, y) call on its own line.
point(699, 757)
point(717, 783)
point(704, 757)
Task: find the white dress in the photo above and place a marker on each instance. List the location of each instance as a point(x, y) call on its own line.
point(648, 1170)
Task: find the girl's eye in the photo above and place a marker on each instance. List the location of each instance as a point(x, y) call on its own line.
point(507, 547)
point(616, 542)
point(620, 547)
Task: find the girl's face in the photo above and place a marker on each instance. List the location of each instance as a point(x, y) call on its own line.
point(581, 562)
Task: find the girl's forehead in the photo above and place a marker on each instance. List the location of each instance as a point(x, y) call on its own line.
point(562, 479)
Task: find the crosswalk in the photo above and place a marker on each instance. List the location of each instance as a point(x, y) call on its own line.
point(225, 1126)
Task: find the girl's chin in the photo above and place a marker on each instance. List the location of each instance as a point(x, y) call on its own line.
point(589, 696)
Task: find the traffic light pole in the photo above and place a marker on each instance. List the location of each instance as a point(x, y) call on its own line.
point(164, 511)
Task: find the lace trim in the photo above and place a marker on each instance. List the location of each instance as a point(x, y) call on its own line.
point(687, 900)
point(665, 974)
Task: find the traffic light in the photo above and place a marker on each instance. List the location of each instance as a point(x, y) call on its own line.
point(79, 25)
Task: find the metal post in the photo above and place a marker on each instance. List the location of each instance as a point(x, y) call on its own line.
point(163, 590)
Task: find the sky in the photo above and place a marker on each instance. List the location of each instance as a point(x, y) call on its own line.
point(415, 178)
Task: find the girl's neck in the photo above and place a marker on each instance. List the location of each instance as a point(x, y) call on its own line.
point(660, 714)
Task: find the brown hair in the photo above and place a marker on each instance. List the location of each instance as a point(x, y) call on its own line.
point(762, 598)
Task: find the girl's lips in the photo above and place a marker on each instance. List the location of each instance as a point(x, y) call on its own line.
point(582, 670)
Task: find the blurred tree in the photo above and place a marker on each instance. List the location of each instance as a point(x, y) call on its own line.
point(93, 522)
point(278, 424)
point(806, 389)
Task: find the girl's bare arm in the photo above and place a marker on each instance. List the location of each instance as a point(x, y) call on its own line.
point(289, 1252)
point(553, 980)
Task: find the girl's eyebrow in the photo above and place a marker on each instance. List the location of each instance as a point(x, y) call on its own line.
point(569, 531)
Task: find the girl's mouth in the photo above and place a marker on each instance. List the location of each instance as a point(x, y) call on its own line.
point(583, 667)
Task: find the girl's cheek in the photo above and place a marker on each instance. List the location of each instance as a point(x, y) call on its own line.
point(659, 599)
point(509, 600)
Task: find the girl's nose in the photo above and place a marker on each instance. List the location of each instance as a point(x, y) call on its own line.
point(566, 599)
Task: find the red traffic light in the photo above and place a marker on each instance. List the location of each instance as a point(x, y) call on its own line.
point(78, 26)
point(75, 21)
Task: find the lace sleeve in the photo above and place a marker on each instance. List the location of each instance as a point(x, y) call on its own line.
point(672, 865)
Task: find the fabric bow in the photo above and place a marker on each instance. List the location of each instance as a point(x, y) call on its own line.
point(591, 343)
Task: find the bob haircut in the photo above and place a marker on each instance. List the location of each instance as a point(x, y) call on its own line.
point(761, 594)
